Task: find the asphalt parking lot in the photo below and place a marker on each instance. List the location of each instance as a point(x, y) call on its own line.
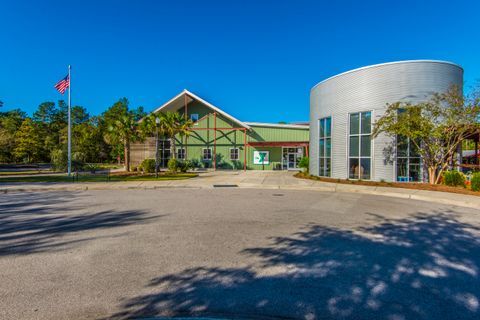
point(236, 253)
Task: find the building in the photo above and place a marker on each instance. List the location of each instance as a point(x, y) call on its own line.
point(220, 141)
point(344, 107)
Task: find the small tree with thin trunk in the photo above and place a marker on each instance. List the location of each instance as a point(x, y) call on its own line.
point(436, 127)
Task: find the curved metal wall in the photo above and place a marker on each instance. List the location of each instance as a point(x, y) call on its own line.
point(370, 89)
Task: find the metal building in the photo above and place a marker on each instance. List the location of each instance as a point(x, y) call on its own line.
point(220, 141)
point(344, 107)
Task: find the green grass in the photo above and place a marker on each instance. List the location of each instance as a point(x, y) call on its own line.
point(99, 178)
point(14, 173)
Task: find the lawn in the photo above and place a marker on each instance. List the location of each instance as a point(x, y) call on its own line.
point(99, 178)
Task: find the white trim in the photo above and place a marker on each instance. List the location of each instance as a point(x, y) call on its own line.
point(208, 104)
point(386, 64)
point(277, 125)
point(184, 154)
point(238, 153)
point(203, 154)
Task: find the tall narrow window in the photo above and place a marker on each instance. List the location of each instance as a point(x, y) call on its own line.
point(360, 145)
point(325, 147)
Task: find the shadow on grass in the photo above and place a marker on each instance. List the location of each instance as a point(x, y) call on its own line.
point(40, 222)
point(424, 267)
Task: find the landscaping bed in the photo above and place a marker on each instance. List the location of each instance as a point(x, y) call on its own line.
point(405, 185)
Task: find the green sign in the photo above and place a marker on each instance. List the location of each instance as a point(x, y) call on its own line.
point(261, 157)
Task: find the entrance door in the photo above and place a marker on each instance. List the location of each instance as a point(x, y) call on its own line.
point(292, 161)
point(291, 157)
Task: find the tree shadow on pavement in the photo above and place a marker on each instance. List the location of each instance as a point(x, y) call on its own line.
point(423, 267)
point(40, 222)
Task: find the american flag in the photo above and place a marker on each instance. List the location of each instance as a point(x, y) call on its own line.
point(63, 84)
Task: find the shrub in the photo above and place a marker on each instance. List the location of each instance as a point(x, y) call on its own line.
point(475, 181)
point(454, 178)
point(304, 163)
point(92, 167)
point(148, 165)
point(59, 158)
point(184, 166)
point(173, 165)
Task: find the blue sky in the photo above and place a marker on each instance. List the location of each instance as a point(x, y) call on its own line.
point(255, 59)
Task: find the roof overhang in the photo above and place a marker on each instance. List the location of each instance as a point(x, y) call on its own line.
point(279, 144)
point(185, 97)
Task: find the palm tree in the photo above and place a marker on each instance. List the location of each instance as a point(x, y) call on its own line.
point(123, 130)
point(173, 123)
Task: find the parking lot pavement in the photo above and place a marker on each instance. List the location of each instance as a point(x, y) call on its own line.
point(230, 252)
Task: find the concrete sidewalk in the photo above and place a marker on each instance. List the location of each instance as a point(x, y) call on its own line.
point(281, 180)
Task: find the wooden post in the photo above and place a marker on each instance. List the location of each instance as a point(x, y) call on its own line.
point(476, 150)
point(215, 141)
point(245, 149)
point(186, 118)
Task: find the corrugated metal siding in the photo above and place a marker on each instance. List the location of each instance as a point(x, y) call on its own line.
point(260, 133)
point(370, 89)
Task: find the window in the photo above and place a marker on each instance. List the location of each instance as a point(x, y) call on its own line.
point(325, 147)
point(194, 117)
point(234, 154)
point(408, 161)
point(207, 154)
point(181, 154)
point(360, 145)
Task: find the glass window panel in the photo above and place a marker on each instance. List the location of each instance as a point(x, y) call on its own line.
point(365, 169)
point(321, 150)
point(366, 122)
point(322, 128)
point(413, 150)
point(327, 167)
point(354, 123)
point(322, 166)
point(328, 147)
point(414, 173)
point(365, 146)
point(328, 127)
point(402, 146)
point(414, 160)
point(353, 146)
point(354, 168)
point(402, 169)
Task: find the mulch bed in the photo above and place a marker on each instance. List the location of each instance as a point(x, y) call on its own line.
point(405, 185)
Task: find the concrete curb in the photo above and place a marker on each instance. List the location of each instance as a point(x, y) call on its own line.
point(429, 196)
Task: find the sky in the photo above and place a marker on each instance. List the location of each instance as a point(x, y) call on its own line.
point(256, 60)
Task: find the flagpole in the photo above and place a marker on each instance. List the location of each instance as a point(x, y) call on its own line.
point(69, 126)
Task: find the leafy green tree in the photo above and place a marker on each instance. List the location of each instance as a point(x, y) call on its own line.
point(436, 127)
point(10, 121)
point(172, 124)
point(28, 143)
